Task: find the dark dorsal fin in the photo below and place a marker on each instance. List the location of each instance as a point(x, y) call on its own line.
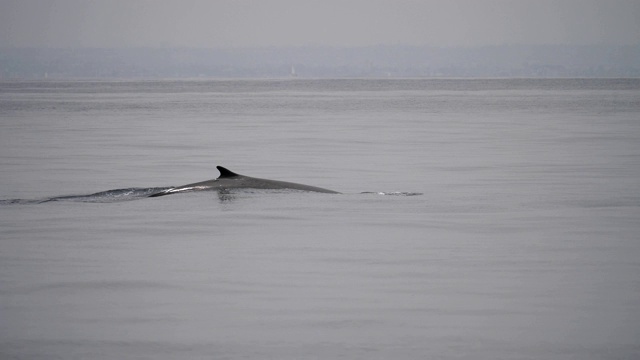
point(225, 173)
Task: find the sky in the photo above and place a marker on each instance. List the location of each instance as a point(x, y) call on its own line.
point(339, 23)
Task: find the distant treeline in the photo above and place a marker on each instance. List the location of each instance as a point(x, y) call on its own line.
point(321, 62)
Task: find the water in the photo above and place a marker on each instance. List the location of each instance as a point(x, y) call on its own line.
point(525, 242)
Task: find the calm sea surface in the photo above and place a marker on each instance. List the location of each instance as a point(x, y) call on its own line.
point(503, 223)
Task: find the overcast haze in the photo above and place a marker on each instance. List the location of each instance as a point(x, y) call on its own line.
point(344, 23)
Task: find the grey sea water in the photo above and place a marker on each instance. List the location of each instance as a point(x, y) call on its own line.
point(503, 220)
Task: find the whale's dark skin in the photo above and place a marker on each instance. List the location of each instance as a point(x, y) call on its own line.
point(229, 180)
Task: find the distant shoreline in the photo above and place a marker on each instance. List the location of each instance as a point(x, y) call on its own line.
point(377, 62)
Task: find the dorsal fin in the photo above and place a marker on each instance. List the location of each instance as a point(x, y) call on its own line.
point(225, 173)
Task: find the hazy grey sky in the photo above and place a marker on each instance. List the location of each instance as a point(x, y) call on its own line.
point(245, 23)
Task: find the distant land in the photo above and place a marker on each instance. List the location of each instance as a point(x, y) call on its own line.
point(544, 61)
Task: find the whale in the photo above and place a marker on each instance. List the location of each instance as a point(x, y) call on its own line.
point(229, 180)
